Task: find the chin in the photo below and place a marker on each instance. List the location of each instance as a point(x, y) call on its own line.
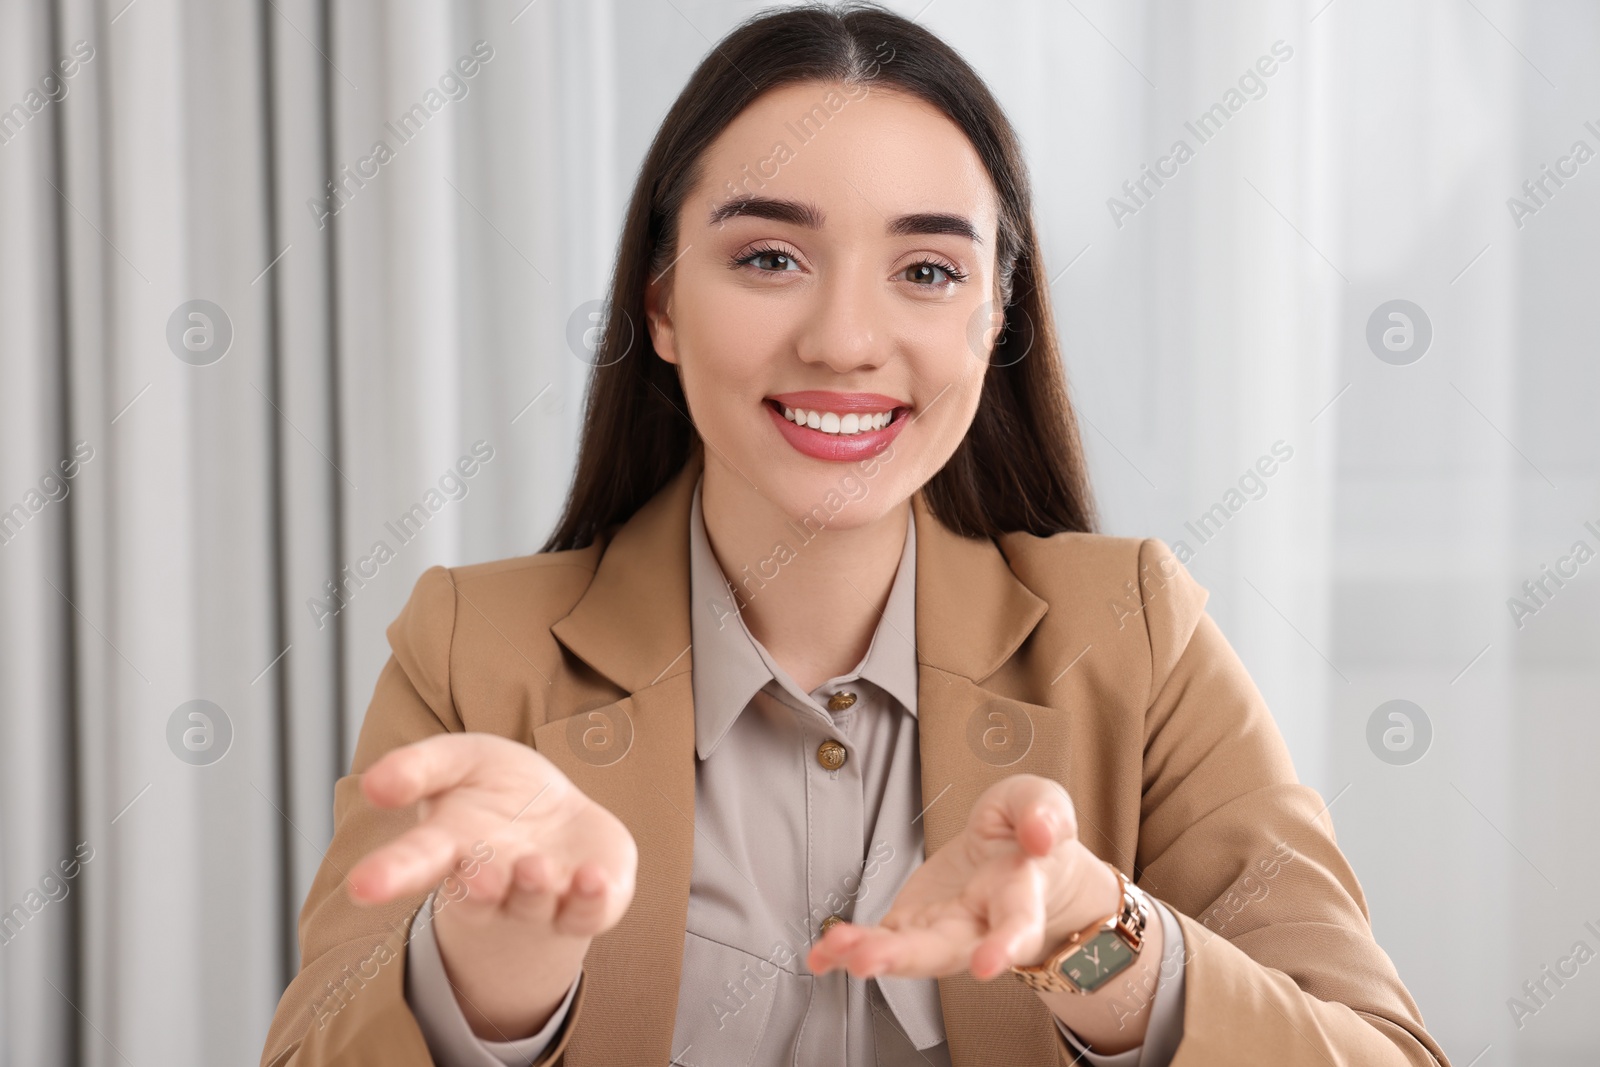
point(850, 496)
point(822, 493)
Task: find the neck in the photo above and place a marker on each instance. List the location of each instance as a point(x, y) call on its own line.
point(812, 598)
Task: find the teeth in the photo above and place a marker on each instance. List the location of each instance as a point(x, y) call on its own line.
point(843, 425)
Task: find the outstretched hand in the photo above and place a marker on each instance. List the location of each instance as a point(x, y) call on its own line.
point(1007, 891)
point(549, 855)
point(532, 868)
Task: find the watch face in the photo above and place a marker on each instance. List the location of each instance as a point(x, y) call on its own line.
point(1100, 959)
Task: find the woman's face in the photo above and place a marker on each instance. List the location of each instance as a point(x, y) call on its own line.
point(836, 266)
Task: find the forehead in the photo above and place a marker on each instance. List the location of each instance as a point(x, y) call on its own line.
point(856, 152)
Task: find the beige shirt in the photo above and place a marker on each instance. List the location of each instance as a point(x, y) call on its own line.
point(782, 843)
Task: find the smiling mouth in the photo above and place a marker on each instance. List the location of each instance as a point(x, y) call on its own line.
point(847, 424)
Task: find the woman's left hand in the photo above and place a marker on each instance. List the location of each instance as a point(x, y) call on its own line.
point(1009, 890)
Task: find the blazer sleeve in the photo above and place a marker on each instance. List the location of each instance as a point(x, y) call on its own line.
point(1280, 962)
point(348, 1005)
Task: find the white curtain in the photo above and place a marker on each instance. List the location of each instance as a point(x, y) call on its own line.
point(1218, 319)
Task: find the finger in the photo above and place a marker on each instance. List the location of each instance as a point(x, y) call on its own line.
point(1039, 811)
point(479, 887)
point(916, 953)
point(421, 769)
point(415, 862)
point(1038, 830)
point(827, 950)
point(1015, 914)
point(516, 884)
point(533, 876)
point(533, 895)
point(586, 905)
point(1018, 934)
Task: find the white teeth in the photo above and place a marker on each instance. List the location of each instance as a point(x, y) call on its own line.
point(843, 425)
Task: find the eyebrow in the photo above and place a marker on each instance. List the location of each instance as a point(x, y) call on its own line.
point(798, 213)
point(793, 212)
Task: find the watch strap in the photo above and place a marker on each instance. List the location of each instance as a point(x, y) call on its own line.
point(1128, 921)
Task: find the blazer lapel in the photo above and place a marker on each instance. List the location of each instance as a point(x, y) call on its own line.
point(635, 755)
point(973, 614)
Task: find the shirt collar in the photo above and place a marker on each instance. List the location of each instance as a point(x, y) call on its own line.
point(731, 666)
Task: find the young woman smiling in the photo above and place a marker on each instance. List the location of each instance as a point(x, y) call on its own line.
point(825, 729)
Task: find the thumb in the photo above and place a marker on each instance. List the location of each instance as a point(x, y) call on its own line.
point(1040, 812)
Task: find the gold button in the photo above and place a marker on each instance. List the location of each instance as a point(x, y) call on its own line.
point(831, 754)
point(830, 922)
point(840, 701)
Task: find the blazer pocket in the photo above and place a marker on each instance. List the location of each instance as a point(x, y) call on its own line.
point(734, 1008)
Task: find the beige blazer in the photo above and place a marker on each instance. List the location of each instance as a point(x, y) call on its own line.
point(1085, 658)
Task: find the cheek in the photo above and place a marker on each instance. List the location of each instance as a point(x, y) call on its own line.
point(948, 382)
point(949, 344)
point(725, 354)
point(951, 382)
point(969, 383)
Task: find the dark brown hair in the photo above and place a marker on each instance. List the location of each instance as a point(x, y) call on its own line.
point(1020, 465)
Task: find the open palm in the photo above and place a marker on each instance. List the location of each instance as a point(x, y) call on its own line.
point(1014, 881)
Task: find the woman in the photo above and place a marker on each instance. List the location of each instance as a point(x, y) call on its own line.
point(824, 729)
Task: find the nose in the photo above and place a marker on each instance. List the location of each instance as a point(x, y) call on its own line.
point(847, 328)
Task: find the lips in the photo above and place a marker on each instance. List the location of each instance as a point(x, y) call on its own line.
point(841, 427)
point(840, 403)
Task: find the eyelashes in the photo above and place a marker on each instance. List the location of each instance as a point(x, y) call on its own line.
point(748, 258)
point(757, 253)
point(954, 273)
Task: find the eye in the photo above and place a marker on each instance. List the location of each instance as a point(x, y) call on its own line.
point(932, 274)
point(769, 260)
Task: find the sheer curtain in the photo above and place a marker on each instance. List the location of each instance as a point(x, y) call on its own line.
point(269, 270)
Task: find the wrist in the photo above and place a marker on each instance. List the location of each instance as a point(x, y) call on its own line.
point(508, 980)
point(1117, 1016)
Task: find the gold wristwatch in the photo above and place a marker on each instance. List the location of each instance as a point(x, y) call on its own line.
point(1099, 952)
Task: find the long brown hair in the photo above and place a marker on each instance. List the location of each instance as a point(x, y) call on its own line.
point(1021, 464)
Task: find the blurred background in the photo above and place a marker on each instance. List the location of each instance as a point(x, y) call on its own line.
point(238, 342)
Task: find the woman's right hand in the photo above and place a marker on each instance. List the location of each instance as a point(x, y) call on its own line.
point(554, 869)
